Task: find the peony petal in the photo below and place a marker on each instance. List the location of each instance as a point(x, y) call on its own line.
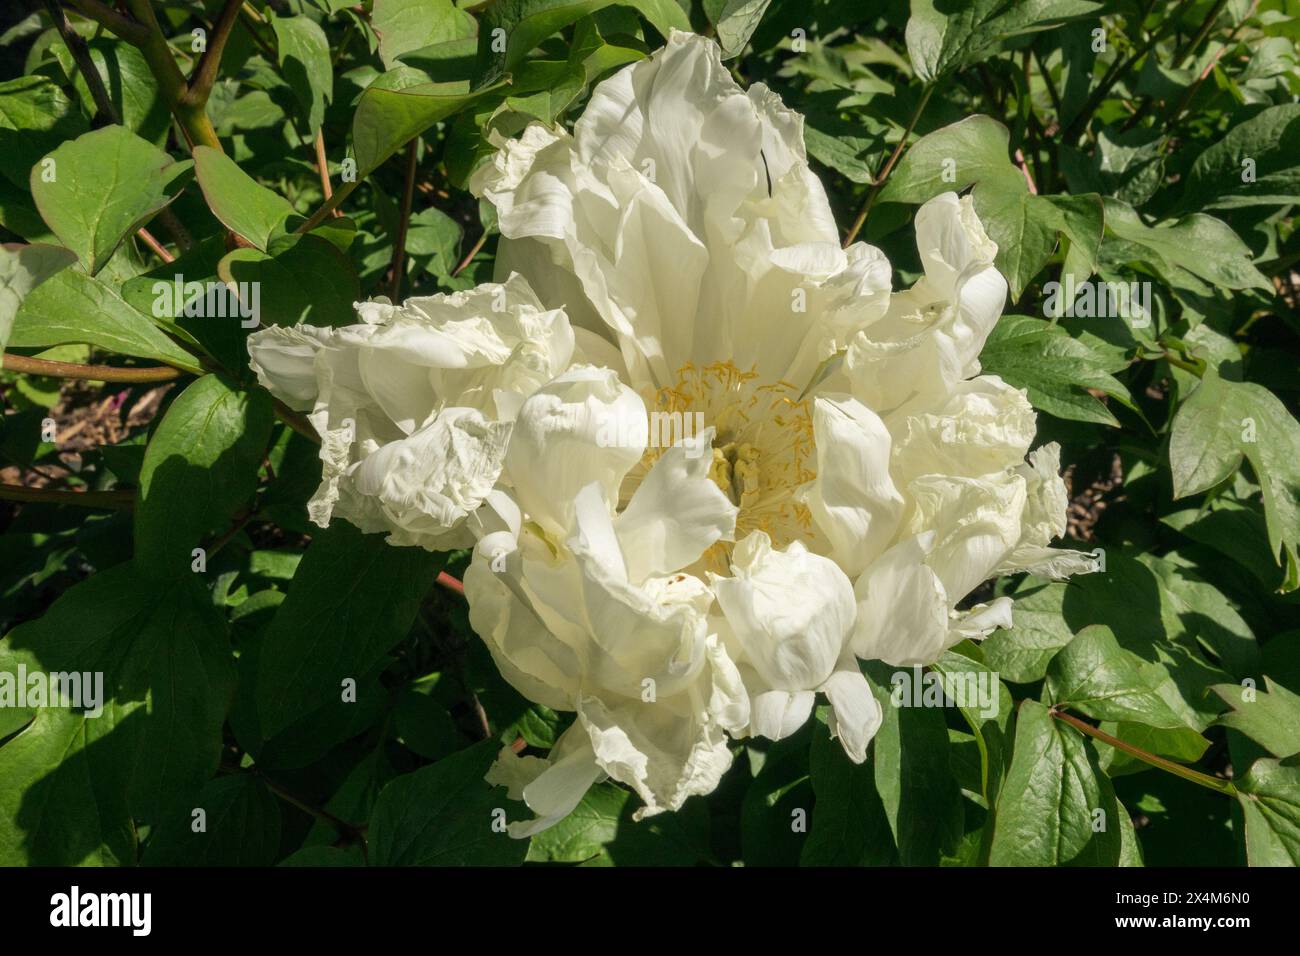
point(852, 499)
point(902, 607)
point(551, 788)
point(663, 755)
point(790, 611)
point(855, 713)
point(676, 513)
point(976, 522)
point(583, 427)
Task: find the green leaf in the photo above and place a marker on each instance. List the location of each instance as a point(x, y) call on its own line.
point(1181, 744)
point(406, 25)
point(1095, 675)
point(200, 466)
point(1270, 800)
point(774, 810)
point(965, 680)
point(1270, 717)
point(245, 207)
point(73, 307)
point(1023, 226)
point(1127, 597)
point(510, 29)
point(664, 15)
point(1022, 652)
point(1198, 609)
point(1051, 799)
point(950, 159)
point(303, 279)
point(1256, 164)
point(850, 147)
point(1233, 529)
point(387, 119)
point(425, 726)
point(304, 53)
point(61, 804)
point(354, 597)
point(736, 21)
point(1221, 423)
point(101, 187)
point(22, 269)
point(943, 37)
point(445, 815)
point(68, 779)
point(1196, 245)
point(601, 832)
point(318, 856)
point(1128, 165)
point(130, 85)
point(920, 795)
point(1130, 851)
point(214, 326)
point(35, 117)
point(584, 833)
point(849, 825)
point(1054, 368)
point(558, 83)
point(241, 827)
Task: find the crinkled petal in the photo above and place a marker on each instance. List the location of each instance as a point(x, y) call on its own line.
point(976, 522)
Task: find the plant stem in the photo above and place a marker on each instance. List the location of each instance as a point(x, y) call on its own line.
point(192, 118)
point(1118, 69)
point(351, 831)
point(323, 168)
point(85, 66)
point(94, 373)
point(123, 27)
point(1224, 787)
point(148, 239)
point(205, 73)
point(1052, 93)
point(1206, 26)
point(469, 256)
point(1179, 362)
point(879, 181)
point(330, 204)
point(295, 420)
point(103, 500)
point(403, 220)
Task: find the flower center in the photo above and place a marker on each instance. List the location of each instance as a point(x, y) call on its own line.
point(763, 449)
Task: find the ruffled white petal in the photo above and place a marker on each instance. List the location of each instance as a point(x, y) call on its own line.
point(584, 426)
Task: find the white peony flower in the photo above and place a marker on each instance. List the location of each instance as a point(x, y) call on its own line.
point(746, 466)
point(803, 470)
point(414, 404)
